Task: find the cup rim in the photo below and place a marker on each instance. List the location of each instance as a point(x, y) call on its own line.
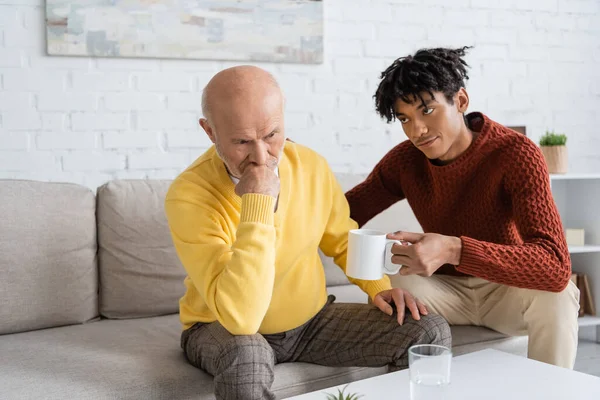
point(447, 350)
point(368, 232)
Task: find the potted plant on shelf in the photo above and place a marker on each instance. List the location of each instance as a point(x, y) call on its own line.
point(554, 147)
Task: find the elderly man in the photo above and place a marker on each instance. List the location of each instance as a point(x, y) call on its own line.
point(247, 219)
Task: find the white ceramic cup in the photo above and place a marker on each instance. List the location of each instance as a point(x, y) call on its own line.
point(370, 255)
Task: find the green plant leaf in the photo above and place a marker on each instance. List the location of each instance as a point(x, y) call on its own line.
point(341, 395)
point(550, 138)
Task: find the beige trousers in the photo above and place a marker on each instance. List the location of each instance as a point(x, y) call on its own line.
point(549, 319)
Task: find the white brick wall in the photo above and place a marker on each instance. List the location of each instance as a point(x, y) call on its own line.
point(122, 140)
point(93, 161)
point(56, 101)
point(535, 63)
point(134, 101)
point(98, 121)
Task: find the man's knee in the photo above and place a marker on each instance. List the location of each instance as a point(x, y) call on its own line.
point(554, 307)
point(430, 329)
point(245, 369)
point(247, 350)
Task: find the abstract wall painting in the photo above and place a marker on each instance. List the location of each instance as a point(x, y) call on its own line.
point(252, 30)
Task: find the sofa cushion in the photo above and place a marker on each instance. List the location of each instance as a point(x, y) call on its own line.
point(124, 359)
point(470, 334)
point(468, 338)
point(334, 276)
point(47, 255)
point(140, 273)
point(348, 294)
point(130, 359)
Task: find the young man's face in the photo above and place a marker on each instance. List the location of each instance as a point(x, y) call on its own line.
point(437, 126)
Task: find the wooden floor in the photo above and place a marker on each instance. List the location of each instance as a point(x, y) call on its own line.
point(588, 358)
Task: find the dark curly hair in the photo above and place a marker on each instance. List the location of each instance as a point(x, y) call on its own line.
point(429, 70)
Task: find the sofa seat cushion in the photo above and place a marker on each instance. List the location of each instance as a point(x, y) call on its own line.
point(137, 358)
point(129, 359)
point(141, 358)
point(469, 334)
point(469, 338)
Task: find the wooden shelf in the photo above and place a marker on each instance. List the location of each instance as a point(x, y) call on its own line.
point(584, 249)
point(588, 320)
point(557, 177)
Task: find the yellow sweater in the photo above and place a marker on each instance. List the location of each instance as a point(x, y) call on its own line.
point(249, 267)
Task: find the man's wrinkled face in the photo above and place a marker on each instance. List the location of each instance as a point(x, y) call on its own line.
point(249, 133)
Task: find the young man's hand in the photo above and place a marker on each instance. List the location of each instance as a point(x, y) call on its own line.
point(402, 300)
point(426, 252)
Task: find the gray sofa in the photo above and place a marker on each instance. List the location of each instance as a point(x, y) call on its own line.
point(89, 293)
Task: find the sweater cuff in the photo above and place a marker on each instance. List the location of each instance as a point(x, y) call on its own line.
point(472, 256)
point(373, 288)
point(258, 208)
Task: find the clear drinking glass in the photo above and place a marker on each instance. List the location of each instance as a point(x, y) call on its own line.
point(429, 366)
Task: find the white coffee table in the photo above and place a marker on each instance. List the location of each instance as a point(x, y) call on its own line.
point(486, 374)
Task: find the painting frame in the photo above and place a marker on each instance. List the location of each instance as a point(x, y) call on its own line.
point(218, 30)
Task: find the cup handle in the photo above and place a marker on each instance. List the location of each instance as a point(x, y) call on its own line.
point(389, 267)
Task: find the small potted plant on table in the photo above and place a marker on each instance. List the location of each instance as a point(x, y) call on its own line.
point(341, 395)
point(554, 147)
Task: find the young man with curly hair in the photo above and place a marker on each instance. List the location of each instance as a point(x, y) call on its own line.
point(493, 252)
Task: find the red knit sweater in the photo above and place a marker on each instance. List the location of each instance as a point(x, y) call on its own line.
point(496, 197)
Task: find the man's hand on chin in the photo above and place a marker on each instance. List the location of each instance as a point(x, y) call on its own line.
point(402, 300)
point(258, 179)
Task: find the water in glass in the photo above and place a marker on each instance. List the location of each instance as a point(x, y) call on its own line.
point(428, 387)
point(429, 371)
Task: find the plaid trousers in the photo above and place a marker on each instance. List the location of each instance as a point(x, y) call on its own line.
point(340, 335)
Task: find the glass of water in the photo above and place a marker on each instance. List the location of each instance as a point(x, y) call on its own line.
point(429, 366)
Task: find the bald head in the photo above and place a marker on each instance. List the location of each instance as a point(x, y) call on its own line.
point(241, 84)
point(243, 117)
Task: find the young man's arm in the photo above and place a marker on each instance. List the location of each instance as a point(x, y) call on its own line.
point(542, 262)
point(379, 191)
point(235, 279)
point(334, 242)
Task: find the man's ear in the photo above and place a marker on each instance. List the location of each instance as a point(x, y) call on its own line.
point(207, 128)
point(461, 99)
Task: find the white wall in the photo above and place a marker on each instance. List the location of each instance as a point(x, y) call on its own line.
point(536, 63)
